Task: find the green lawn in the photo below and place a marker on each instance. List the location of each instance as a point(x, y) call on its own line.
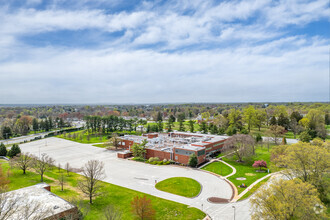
point(176, 125)
point(181, 186)
point(246, 170)
point(218, 168)
point(99, 145)
point(82, 136)
point(114, 195)
point(254, 188)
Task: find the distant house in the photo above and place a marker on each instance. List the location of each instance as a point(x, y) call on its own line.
point(36, 202)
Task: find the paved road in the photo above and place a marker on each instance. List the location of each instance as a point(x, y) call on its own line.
point(24, 138)
point(141, 177)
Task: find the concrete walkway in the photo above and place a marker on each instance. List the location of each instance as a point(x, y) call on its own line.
point(250, 187)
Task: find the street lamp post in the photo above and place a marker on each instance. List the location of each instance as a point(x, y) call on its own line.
point(234, 211)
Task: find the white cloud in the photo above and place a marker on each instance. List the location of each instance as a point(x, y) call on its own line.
point(250, 55)
point(53, 75)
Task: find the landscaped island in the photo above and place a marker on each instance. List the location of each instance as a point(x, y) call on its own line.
point(181, 186)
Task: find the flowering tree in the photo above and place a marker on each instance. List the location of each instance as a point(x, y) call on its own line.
point(260, 163)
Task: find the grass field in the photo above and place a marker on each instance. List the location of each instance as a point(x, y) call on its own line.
point(82, 136)
point(114, 195)
point(253, 189)
point(218, 168)
point(176, 125)
point(246, 170)
point(181, 186)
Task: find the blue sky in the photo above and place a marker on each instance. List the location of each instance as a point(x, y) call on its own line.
point(110, 51)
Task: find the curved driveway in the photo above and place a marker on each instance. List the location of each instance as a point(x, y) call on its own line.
point(140, 176)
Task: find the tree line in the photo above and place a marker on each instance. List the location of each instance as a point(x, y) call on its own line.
point(107, 124)
point(25, 124)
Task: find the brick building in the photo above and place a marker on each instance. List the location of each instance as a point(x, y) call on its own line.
point(177, 146)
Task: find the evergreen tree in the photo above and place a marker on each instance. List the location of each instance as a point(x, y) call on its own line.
point(160, 126)
point(191, 125)
point(6, 132)
point(159, 117)
point(35, 125)
point(283, 121)
point(193, 161)
point(3, 150)
point(181, 126)
point(273, 121)
point(15, 149)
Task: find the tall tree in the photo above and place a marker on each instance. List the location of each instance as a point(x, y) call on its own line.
point(142, 208)
point(23, 161)
point(191, 125)
point(260, 118)
point(235, 118)
point(276, 131)
point(249, 116)
point(240, 145)
point(286, 199)
point(35, 125)
point(93, 173)
point(42, 164)
point(305, 161)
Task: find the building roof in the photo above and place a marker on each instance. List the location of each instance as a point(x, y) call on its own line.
point(37, 198)
point(190, 147)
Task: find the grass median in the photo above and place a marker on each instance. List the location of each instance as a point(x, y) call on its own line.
point(181, 186)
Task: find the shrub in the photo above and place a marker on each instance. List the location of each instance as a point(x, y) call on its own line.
point(260, 163)
point(244, 131)
point(152, 159)
point(3, 150)
point(258, 138)
point(231, 130)
point(305, 137)
point(193, 161)
point(14, 151)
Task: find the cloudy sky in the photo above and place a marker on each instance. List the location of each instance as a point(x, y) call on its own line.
point(111, 51)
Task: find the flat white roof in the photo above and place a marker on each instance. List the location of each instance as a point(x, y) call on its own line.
point(46, 203)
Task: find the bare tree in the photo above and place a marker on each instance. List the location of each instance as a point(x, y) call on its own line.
point(114, 141)
point(42, 164)
point(276, 131)
point(111, 213)
point(295, 127)
point(93, 172)
point(61, 180)
point(23, 161)
point(59, 167)
point(241, 145)
point(68, 168)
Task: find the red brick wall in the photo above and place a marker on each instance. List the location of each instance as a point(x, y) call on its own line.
point(157, 153)
point(184, 159)
point(124, 155)
point(127, 144)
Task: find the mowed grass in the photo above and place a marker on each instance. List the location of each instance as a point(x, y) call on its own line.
point(87, 138)
point(99, 145)
point(254, 189)
point(246, 170)
point(118, 197)
point(181, 186)
point(218, 168)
